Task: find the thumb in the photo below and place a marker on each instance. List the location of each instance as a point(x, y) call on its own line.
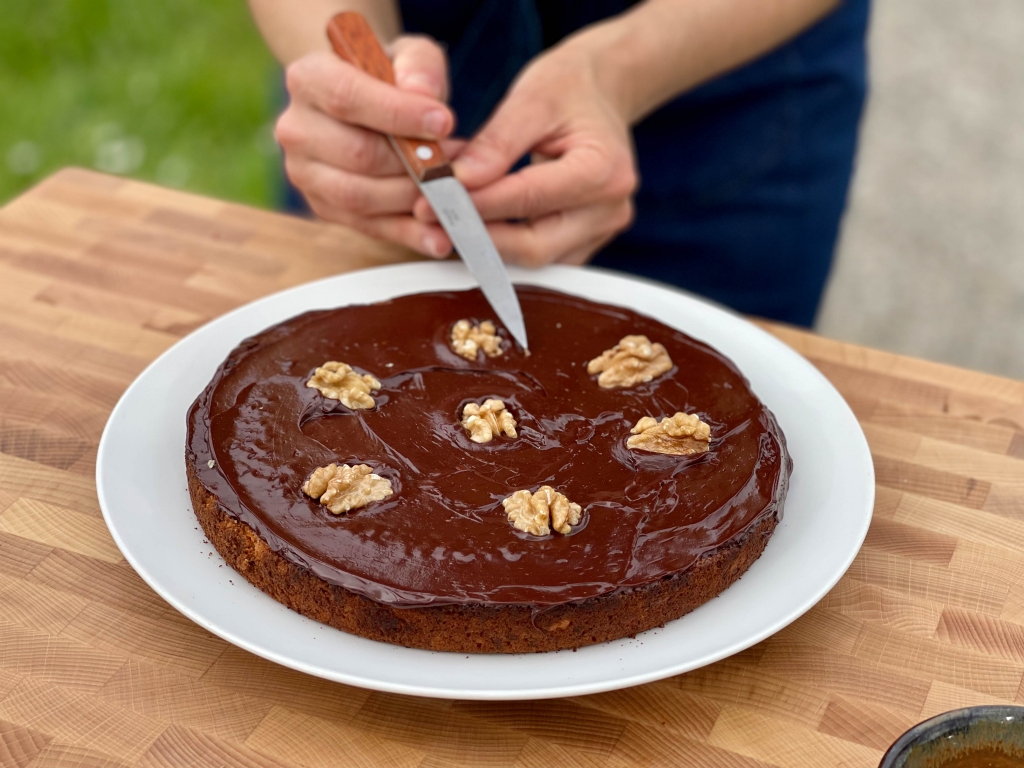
point(420, 66)
point(517, 125)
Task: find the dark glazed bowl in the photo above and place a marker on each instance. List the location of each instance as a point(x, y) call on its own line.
point(955, 734)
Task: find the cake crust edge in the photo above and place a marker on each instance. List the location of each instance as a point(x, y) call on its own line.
point(475, 628)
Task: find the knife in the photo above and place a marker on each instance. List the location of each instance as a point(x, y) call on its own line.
point(354, 41)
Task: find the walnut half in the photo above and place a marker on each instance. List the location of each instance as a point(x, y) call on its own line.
point(338, 381)
point(467, 339)
point(341, 488)
point(683, 434)
point(485, 421)
point(634, 360)
point(539, 512)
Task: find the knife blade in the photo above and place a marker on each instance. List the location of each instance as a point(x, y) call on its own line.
point(354, 41)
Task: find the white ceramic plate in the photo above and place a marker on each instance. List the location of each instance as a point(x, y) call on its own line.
point(140, 477)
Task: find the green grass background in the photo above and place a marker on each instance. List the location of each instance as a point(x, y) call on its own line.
point(180, 92)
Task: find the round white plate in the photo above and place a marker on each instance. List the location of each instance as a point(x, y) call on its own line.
point(140, 477)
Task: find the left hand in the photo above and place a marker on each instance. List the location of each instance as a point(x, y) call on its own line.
point(577, 192)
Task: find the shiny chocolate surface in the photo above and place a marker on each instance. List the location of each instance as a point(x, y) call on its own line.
point(443, 537)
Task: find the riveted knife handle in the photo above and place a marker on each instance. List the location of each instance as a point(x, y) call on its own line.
point(354, 41)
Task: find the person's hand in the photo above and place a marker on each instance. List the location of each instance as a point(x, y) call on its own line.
point(335, 153)
point(577, 193)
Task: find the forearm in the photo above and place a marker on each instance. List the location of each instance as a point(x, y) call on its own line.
point(662, 48)
point(293, 29)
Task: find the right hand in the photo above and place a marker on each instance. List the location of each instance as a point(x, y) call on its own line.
point(333, 147)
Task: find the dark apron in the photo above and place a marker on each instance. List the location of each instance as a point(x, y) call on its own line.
point(743, 180)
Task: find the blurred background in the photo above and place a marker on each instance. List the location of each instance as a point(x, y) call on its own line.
point(931, 257)
point(178, 92)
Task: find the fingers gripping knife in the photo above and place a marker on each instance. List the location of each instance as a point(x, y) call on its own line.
point(354, 41)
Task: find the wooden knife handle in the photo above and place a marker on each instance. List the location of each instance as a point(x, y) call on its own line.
point(354, 41)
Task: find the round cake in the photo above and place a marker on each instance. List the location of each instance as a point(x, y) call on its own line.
point(628, 476)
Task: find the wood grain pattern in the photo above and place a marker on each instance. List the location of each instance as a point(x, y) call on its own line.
point(98, 275)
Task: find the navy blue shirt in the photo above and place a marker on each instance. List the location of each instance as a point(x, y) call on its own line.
point(743, 180)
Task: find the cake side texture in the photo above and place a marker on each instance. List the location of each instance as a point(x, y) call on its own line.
point(475, 628)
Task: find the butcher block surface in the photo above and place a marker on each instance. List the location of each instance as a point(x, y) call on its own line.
point(98, 275)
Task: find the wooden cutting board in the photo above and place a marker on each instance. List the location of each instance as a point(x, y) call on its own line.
point(98, 275)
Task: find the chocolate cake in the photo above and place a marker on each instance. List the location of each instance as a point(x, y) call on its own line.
point(434, 560)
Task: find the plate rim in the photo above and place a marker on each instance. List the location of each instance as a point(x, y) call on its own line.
point(554, 691)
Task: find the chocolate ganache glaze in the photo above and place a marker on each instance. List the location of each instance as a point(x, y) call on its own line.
point(443, 536)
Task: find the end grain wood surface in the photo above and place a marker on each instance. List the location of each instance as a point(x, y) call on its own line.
point(98, 275)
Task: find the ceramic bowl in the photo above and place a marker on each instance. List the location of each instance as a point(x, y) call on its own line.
point(945, 737)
